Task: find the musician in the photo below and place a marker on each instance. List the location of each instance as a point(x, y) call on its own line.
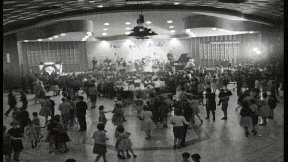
point(94, 63)
point(107, 61)
point(190, 64)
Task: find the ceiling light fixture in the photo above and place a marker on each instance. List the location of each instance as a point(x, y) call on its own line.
point(169, 21)
point(62, 34)
point(26, 41)
point(105, 29)
point(171, 27)
point(127, 32)
point(127, 28)
point(213, 28)
point(176, 3)
point(50, 38)
point(139, 31)
point(100, 6)
point(148, 22)
point(106, 24)
point(104, 33)
point(39, 39)
point(173, 31)
point(127, 23)
point(55, 36)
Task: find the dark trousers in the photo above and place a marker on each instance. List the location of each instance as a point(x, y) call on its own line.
point(208, 113)
point(82, 122)
point(16, 156)
point(239, 87)
point(52, 111)
point(184, 135)
point(10, 109)
point(24, 105)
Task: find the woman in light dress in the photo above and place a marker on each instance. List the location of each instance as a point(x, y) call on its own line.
point(45, 108)
point(264, 109)
point(147, 123)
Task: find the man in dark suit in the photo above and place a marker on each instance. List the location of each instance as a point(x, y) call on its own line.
point(81, 107)
point(12, 101)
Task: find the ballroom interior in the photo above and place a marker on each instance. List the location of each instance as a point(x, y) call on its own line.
point(69, 34)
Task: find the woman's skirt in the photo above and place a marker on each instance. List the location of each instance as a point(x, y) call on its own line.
point(62, 137)
point(93, 98)
point(45, 111)
point(42, 94)
point(213, 86)
point(195, 110)
point(124, 143)
point(54, 88)
point(265, 111)
point(99, 149)
point(245, 121)
point(148, 124)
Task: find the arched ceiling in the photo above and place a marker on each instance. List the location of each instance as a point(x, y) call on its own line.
point(26, 14)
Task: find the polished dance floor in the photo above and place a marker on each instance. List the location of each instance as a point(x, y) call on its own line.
point(215, 141)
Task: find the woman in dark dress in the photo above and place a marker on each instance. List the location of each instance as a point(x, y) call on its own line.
point(210, 103)
point(61, 136)
point(17, 144)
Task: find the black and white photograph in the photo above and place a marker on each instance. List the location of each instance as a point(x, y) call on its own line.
point(143, 81)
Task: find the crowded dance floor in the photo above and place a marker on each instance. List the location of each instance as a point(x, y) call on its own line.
point(138, 81)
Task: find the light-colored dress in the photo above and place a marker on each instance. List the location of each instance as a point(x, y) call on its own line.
point(264, 109)
point(46, 108)
point(194, 105)
point(117, 118)
point(31, 132)
point(147, 123)
point(123, 141)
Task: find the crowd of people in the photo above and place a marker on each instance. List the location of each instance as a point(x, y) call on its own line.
point(155, 96)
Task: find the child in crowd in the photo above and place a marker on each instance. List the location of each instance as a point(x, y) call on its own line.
point(100, 147)
point(36, 122)
point(52, 106)
point(32, 134)
point(102, 117)
point(254, 115)
point(124, 143)
point(220, 95)
point(196, 157)
point(194, 104)
point(185, 157)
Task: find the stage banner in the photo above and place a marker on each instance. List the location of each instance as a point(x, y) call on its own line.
point(201, 51)
point(213, 51)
